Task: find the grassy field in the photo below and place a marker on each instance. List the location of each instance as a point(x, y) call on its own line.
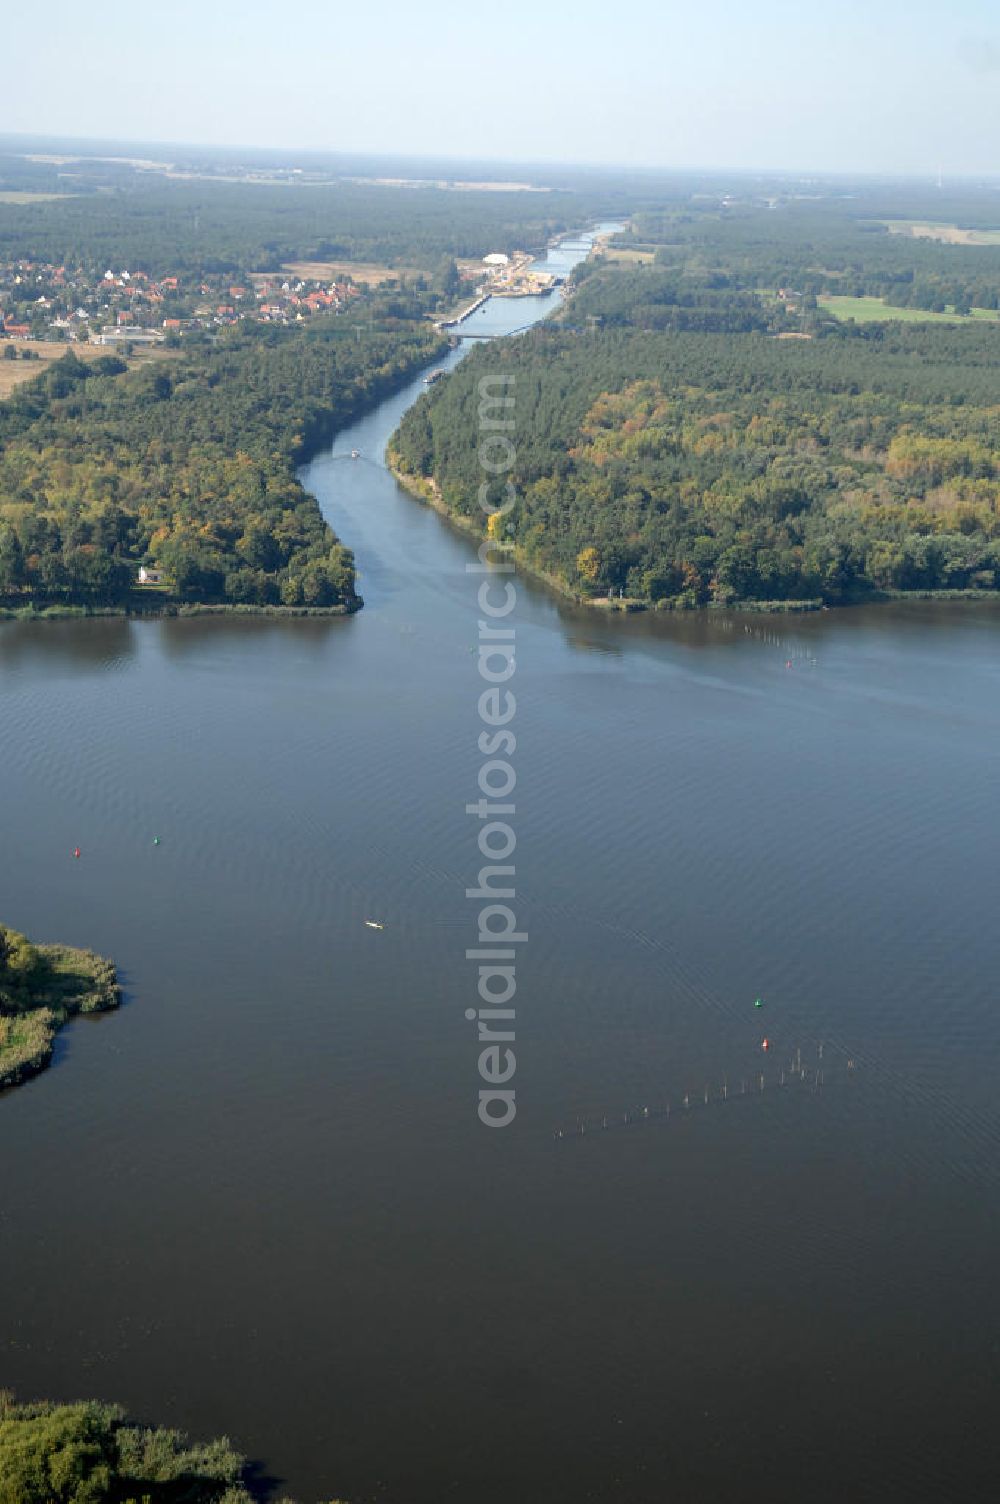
point(14, 372)
point(949, 234)
point(364, 273)
point(454, 185)
point(625, 256)
point(19, 196)
point(868, 310)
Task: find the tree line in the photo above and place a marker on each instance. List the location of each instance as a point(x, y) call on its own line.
point(837, 245)
point(163, 227)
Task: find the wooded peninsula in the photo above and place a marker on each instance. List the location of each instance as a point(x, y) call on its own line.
point(41, 988)
point(189, 467)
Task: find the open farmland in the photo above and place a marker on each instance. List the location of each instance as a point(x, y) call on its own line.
point(947, 234)
point(870, 310)
point(14, 372)
point(365, 273)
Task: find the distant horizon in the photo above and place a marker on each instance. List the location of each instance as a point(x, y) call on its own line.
point(87, 145)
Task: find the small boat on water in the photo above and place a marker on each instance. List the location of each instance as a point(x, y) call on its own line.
point(373, 924)
point(355, 454)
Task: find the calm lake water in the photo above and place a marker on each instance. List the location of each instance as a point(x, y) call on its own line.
point(259, 1200)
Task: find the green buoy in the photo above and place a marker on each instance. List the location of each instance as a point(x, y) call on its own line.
point(156, 840)
point(758, 1002)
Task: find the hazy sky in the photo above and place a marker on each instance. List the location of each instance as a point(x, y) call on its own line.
point(857, 84)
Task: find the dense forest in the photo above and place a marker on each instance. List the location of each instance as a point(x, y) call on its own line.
point(205, 211)
point(685, 298)
point(89, 1453)
point(188, 465)
point(840, 243)
point(672, 450)
point(163, 226)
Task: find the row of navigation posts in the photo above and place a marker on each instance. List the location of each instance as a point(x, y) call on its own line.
point(812, 1073)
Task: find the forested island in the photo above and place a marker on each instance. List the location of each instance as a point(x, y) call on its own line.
point(687, 436)
point(41, 988)
point(91, 1453)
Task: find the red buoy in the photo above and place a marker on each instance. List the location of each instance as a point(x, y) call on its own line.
point(765, 1044)
point(77, 851)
